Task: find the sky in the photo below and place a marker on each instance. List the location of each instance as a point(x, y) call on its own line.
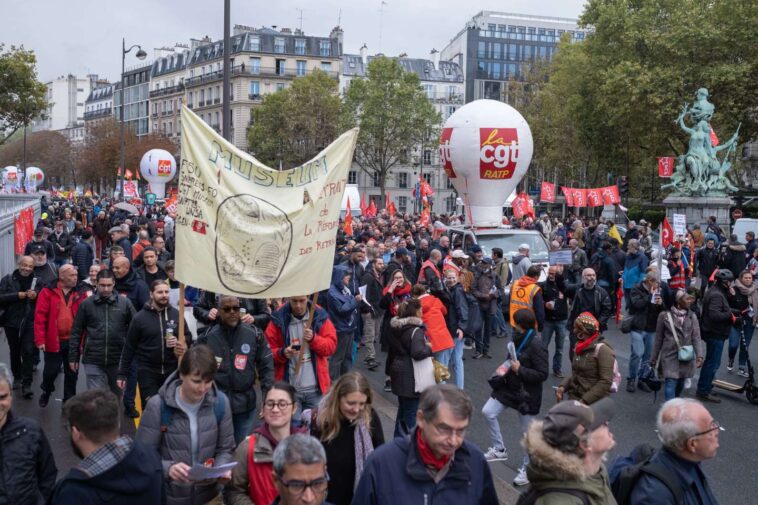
point(84, 36)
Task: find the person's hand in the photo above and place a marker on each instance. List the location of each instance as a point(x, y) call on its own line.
point(248, 319)
point(559, 394)
point(358, 298)
point(31, 294)
point(289, 352)
point(699, 362)
point(179, 472)
point(308, 335)
point(212, 315)
point(515, 365)
point(225, 478)
point(459, 333)
point(22, 295)
point(171, 342)
point(74, 366)
point(180, 349)
point(121, 383)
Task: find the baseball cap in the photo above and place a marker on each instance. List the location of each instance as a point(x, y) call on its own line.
point(523, 246)
point(39, 232)
point(564, 418)
point(37, 248)
point(459, 254)
point(476, 248)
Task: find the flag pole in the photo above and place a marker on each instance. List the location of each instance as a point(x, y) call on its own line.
point(180, 336)
point(308, 325)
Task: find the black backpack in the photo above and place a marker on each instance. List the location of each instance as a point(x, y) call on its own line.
point(531, 496)
point(627, 471)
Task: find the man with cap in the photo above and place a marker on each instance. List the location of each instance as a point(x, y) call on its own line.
point(566, 454)
point(44, 270)
point(39, 238)
point(454, 261)
point(120, 237)
point(62, 244)
point(521, 262)
point(487, 290)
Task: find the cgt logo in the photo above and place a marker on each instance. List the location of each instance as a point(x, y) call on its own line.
point(447, 164)
point(498, 153)
point(164, 168)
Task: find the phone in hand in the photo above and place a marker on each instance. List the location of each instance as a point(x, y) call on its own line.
point(295, 347)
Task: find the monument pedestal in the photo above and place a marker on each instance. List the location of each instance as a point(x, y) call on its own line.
point(699, 209)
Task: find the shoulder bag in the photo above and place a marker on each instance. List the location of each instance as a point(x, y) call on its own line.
point(423, 371)
point(684, 353)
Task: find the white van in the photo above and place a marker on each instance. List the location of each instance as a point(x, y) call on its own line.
point(744, 225)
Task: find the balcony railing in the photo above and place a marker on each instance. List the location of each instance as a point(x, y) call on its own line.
point(259, 71)
point(216, 100)
point(93, 114)
point(255, 97)
point(167, 91)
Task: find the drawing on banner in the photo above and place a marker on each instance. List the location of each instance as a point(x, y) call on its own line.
point(253, 242)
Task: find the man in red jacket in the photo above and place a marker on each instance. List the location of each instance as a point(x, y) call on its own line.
point(288, 336)
point(53, 319)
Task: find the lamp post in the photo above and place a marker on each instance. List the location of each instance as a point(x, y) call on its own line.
point(141, 55)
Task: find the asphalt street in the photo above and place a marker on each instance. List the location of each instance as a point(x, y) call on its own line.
point(731, 473)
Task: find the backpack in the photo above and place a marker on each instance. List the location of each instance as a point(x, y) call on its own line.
point(616, 374)
point(627, 470)
point(167, 413)
point(532, 495)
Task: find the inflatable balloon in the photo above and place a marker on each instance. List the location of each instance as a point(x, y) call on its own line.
point(485, 148)
point(35, 176)
point(158, 167)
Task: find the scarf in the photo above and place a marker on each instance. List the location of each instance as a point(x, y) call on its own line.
point(427, 456)
point(364, 446)
point(679, 315)
point(751, 292)
point(399, 296)
point(582, 345)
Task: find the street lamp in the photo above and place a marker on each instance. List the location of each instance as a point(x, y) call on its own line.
point(141, 55)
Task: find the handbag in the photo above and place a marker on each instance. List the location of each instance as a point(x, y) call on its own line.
point(441, 373)
point(684, 353)
point(423, 373)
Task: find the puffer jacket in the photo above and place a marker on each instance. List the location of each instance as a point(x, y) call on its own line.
point(522, 390)
point(18, 313)
point(717, 315)
point(27, 465)
point(243, 355)
point(341, 303)
point(216, 440)
point(552, 468)
point(591, 376)
point(733, 259)
point(46, 316)
point(105, 322)
point(146, 339)
point(665, 345)
point(82, 257)
point(407, 343)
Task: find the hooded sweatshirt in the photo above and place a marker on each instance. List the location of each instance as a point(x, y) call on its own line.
point(341, 303)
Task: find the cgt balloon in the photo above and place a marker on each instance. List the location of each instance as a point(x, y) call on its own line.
point(158, 167)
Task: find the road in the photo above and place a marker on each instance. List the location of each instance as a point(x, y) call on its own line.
point(729, 473)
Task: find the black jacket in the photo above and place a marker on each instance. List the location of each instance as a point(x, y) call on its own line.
point(102, 323)
point(82, 257)
point(595, 301)
point(644, 312)
point(487, 288)
point(137, 478)
point(374, 287)
point(256, 308)
point(407, 343)
point(551, 292)
point(243, 351)
point(706, 261)
point(134, 288)
point(47, 275)
point(457, 310)
point(65, 241)
point(717, 315)
point(27, 465)
point(16, 313)
point(126, 245)
point(733, 259)
point(146, 339)
point(522, 390)
point(48, 248)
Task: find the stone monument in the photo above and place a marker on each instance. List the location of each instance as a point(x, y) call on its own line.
point(700, 185)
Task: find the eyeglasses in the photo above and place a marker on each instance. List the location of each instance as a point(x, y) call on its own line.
point(447, 431)
point(231, 309)
point(270, 404)
point(714, 426)
point(298, 487)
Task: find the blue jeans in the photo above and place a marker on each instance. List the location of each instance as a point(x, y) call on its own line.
point(559, 329)
point(714, 348)
point(498, 322)
point(734, 342)
point(672, 388)
point(491, 410)
point(305, 400)
point(456, 362)
point(406, 416)
point(444, 356)
point(243, 425)
point(642, 346)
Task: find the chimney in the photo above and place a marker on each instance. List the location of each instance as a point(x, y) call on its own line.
point(286, 31)
point(337, 33)
point(435, 56)
point(364, 54)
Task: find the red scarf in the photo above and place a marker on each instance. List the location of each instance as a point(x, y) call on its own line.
point(399, 296)
point(427, 456)
point(581, 345)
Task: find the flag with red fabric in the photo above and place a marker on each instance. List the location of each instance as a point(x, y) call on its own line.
point(593, 197)
point(667, 233)
point(348, 226)
point(547, 192)
point(714, 138)
point(363, 204)
point(529, 205)
point(579, 196)
point(426, 218)
point(611, 195)
point(568, 195)
point(391, 209)
point(520, 206)
point(371, 210)
point(666, 166)
point(128, 174)
point(426, 189)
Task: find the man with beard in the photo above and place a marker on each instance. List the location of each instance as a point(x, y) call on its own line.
point(588, 297)
point(44, 271)
point(62, 243)
point(39, 238)
point(150, 271)
point(152, 340)
point(104, 319)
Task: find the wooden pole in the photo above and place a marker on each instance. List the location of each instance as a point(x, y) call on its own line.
point(308, 325)
point(180, 336)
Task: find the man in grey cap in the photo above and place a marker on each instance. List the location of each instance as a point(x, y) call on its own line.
point(39, 238)
point(521, 262)
point(120, 237)
point(566, 453)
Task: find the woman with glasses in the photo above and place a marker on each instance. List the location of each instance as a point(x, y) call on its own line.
point(252, 479)
point(349, 430)
point(189, 422)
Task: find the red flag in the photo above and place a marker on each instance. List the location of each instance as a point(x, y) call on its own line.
point(547, 193)
point(610, 195)
point(371, 210)
point(666, 165)
point(529, 206)
point(426, 218)
point(714, 138)
point(391, 210)
point(128, 174)
point(593, 197)
point(568, 195)
point(348, 226)
point(667, 233)
point(363, 204)
point(520, 206)
point(579, 197)
point(426, 189)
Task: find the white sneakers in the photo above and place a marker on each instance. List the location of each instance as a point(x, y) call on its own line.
point(521, 479)
point(496, 454)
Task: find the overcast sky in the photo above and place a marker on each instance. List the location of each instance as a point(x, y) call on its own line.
point(84, 36)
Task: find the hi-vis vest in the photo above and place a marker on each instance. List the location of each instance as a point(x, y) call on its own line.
point(521, 298)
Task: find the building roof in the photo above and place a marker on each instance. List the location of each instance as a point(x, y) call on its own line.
point(101, 93)
point(169, 64)
point(448, 71)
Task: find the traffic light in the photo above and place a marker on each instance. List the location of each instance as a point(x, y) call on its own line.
point(623, 184)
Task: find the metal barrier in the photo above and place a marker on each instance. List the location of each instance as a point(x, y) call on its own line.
point(10, 206)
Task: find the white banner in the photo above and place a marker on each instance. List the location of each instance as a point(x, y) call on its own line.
point(245, 229)
point(680, 224)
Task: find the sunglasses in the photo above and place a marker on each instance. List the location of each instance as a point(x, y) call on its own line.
point(231, 309)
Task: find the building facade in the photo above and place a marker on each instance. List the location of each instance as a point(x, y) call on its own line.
point(136, 96)
point(65, 97)
point(494, 47)
point(167, 90)
point(99, 104)
point(264, 60)
point(443, 83)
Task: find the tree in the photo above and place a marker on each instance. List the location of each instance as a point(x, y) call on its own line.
point(394, 116)
point(22, 96)
point(49, 150)
point(295, 124)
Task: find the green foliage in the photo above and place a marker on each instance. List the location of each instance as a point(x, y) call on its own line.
point(295, 124)
point(394, 116)
point(22, 96)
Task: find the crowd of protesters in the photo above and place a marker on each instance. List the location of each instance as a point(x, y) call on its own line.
point(95, 291)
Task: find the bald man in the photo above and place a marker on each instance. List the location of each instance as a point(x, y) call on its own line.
point(129, 284)
point(53, 318)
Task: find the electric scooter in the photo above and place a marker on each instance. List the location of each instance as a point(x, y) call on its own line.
point(749, 387)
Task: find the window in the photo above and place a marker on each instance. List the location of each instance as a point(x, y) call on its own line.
point(279, 45)
point(189, 101)
point(300, 68)
point(482, 52)
point(402, 204)
point(450, 204)
point(429, 91)
point(495, 74)
point(402, 180)
point(496, 50)
point(202, 98)
point(299, 46)
point(427, 161)
point(325, 48)
point(376, 179)
point(171, 128)
point(255, 66)
point(279, 86)
point(80, 90)
point(352, 177)
point(254, 43)
point(513, 52)
point(527, 53)
point(217, 120)
point(452, 92)
point(326, 66)
point(255, 89)
point(280, 66)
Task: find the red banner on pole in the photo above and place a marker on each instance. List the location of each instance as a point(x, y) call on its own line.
point(666, 166)
point(568, 195)
point(579, 196)
point(611, 195)
point(23, 229)
point(547, 193)
point(667, 233)
point(593, 197)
